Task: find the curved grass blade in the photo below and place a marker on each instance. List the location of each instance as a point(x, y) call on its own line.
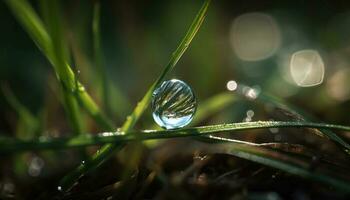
point(176, 55)
point(28, 125)
point(120, 137)
point(298, 112)
point(286, 163)
point(106, 151)
point(213, 105)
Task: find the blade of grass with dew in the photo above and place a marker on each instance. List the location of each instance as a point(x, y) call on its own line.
point(285, 163)
point(32, 24)
point(222, 100)
point(209, 107)
point(13, 145)
point(290, 148)
point(106, 151)
point(52, 16)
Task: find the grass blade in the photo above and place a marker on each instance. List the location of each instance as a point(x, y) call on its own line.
point(106, 151)
point(36, 29)
point(296, 111)
point(274, 159)
point(177, 54)
point(31, 22)
point(213, 105)
point(12, 145)
point(98, 56)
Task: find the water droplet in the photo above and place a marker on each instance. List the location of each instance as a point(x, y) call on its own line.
point(59, 188)
point(81, 88)
point(250, 113)
point(173, 104)
point(231, 85)
point(83, 162)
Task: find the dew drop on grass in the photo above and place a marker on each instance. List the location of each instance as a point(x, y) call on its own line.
point(173, 104)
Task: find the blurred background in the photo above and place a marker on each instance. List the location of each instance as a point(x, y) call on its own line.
point(295, 50)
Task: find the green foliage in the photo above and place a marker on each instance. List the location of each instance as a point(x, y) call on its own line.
point(106, 151)
point(120, 137)
point(48, 35)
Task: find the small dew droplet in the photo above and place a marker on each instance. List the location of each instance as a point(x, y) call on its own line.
point(250, 113)
point(173, 104)
point(59, 188)
point(231, 85)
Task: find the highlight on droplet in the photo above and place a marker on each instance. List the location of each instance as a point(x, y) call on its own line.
point(255, 36)
point(307, 68)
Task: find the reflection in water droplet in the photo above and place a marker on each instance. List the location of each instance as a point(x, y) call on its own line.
point(307, 68)
point(231, 85)
point(173, 104)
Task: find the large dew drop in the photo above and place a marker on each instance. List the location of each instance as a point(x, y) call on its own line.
point(173, 104)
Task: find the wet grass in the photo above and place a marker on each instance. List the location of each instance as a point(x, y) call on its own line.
point(139, 180)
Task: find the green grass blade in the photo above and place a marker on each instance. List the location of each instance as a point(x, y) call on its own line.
point(27, 17)
point(52, 13)
point(28, 124)
point(177, 54)
point(274, 159)
point(213, 105)
point(12, 145)
point(106, 151)
point(98, 57)
point(303, 115)
point(35, 28)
